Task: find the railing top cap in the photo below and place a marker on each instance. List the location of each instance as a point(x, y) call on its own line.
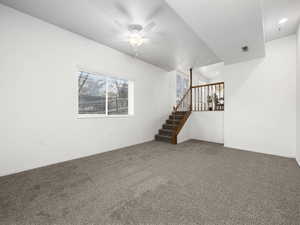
point(205, 85)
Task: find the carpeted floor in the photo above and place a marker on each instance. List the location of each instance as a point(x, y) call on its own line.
point(157, 184)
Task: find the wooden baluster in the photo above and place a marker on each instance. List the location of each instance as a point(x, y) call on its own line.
point(203, 94)
point(218, 94)
point(198, 99)
point(202, 101)
point(214, 94)
point(207, 98)
point(194, 99)
point(209, 89)
point(223, 91)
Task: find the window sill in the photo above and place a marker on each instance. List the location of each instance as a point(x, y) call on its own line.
point(91, 116)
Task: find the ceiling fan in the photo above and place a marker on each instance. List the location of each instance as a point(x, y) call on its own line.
point(136, 34)
point(135, 20)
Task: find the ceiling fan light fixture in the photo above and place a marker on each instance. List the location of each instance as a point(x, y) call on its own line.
point(136, 40)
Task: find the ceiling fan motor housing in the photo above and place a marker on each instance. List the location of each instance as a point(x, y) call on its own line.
point(135, 27)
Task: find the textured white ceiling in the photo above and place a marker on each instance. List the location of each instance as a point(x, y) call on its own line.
point(196, 34)
point(274, 10)
point(172, 43)
point(212, 71)
point(226, 26)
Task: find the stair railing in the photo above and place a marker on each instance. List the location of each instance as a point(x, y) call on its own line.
point(184, 105)
point(208, 97)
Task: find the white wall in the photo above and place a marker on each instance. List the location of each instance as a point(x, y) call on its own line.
point(207, 126)
point(185, 134)
point(260, 101)
point(195, 124)
point(298, 97)
point(38, 91)
point(203, 126)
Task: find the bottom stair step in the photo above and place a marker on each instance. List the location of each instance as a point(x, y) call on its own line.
point(163, 138)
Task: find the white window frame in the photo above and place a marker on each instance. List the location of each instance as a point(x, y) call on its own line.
point(106, 115)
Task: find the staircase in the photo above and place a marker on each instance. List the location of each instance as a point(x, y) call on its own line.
point(172, 127)
point(201, 98)
point(177, 119)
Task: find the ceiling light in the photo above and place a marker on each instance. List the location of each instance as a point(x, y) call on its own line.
point(136, 40)
point(283, 21)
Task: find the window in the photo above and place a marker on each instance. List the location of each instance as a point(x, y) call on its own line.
point(117, 97)
point(182, 86)
point(104, 95)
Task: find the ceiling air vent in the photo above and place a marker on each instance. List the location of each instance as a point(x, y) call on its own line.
point(245, 48)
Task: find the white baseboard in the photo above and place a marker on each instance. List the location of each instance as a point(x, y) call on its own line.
point(262, 152)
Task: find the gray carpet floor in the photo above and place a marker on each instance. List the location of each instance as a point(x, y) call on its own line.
point(157, 184)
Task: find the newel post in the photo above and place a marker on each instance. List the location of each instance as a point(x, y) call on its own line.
point(191, 88)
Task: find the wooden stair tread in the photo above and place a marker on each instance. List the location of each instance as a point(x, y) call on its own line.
point(164, 136)
point(167, 130)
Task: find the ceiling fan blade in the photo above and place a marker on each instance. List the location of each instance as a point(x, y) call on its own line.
point(149, 27)
point(120, 25)
point(155, 13)
point(122, 9)
point(162, 36)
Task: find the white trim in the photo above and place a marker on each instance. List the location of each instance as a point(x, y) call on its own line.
point(130, 98)
point(106, 97)
point(87, 116)
point(257, 151)
point(103, 116)
point(101, 73)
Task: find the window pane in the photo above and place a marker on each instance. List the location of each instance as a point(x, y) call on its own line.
point(91, 93)
point(117, 97)
point(182, 85)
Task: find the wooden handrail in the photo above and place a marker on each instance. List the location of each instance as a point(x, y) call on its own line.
point(187, 108)
point(205, 85)
point(189, 90)
point(182, 99)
